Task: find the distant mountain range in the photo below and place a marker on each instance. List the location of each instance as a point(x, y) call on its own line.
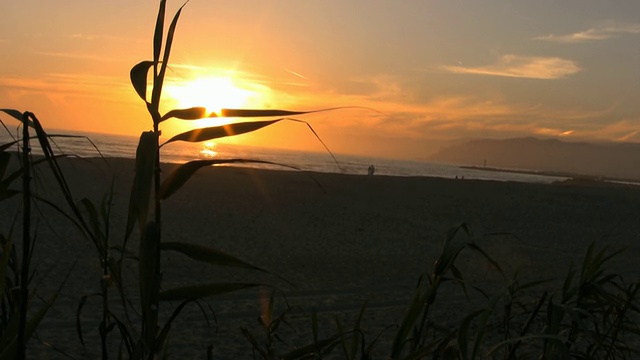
point(611, 160)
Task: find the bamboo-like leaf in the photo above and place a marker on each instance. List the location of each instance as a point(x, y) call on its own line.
point(158, 32)
point(6, 146)
point(463, 333)
point(270, 112)
point(9, 352)
point(215, 132)
point(138, 75)
point(162, 335)
point(516, 340)
point(81, 304)
point(182, 174)
point(200, 291)
point(312, 348)
point(14, 113)
point(141, 189)
point(193, 113)
point(261, 112)
point(159, 79)
point(409, 319)
point(207, 255)
point(254, 342)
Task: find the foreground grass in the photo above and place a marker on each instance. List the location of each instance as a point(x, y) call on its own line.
point(592, 313)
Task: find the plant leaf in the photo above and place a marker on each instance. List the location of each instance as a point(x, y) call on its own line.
point(141, 189)
point(159, 79)
point(162, 335)
point(203, 290)
point(216, 132)
point(138, 75)
point(270, 112)
point(14, 113)
point(9, 337)
point(193, 113)
point(207, 255)
point(182, 174)
point(157, 33)
point(312, 348)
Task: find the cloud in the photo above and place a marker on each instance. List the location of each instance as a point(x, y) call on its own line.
point(593, 34)
point(62, 85)
point(102, 37)
point(77, 56)
point(528, 67)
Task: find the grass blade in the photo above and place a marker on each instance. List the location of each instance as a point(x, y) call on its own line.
point(159, 79)
point(162, 336)
point(207, 255)
point(310, 349)
point(270, 112)
point(13, 113)
point(193, 113)
point(215, 132)
point(158, 31)
point(182, 174)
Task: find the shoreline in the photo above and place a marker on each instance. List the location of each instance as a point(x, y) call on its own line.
point(570, 177)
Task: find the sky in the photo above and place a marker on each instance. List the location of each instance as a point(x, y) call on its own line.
point(410, 74)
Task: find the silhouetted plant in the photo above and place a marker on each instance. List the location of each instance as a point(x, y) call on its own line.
point(16, 271)
point(148, 179)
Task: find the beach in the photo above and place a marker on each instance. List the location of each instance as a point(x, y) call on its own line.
point(330, 242)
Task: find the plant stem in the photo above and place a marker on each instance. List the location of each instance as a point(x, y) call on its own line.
point(26, 238)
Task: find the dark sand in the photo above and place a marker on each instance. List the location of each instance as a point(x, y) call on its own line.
point(348, 240)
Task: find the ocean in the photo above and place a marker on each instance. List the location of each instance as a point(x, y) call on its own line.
point(107, 145)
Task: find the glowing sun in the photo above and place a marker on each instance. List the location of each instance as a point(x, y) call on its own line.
point(213, 93)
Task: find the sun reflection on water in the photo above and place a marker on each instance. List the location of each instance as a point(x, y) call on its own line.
point(209, 149)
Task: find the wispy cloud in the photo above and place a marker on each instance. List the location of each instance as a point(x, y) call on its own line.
point(101, 37)
point(77, 56)
point(56, 84)
point(529, 67)
point(593, 34)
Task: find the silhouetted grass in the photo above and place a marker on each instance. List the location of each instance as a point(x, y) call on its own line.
point(592, 314)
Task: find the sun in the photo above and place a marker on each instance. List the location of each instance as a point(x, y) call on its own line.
point(213, 93)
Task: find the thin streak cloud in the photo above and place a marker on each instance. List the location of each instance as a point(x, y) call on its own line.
point(76, 56)
point(593, 34)
point(528, 67)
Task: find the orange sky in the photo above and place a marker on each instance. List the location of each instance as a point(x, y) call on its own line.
point(431, 70)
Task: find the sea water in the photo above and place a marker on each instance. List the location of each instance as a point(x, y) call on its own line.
point(107, 145)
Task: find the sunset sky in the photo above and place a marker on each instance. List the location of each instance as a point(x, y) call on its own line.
point(426, 70)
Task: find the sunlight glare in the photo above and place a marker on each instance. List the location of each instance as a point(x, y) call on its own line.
point(209, 149)
point(213, 93)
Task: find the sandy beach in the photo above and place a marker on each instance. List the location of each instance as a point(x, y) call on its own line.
point(338, 240)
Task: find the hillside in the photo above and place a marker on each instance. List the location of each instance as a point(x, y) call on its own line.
point(617, 160)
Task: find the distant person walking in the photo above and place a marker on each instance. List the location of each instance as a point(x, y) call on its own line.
point(371, 170)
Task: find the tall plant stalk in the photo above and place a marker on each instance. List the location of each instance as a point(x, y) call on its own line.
point(26, 237)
